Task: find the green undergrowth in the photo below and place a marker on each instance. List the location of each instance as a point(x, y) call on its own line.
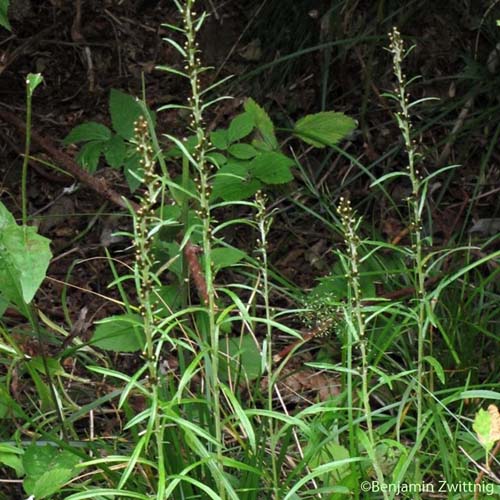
point(204, 384)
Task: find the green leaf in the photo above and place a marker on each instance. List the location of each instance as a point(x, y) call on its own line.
point(124, 110)
point(242, 151)
point(239, 357)
point(115, 151)
point(91, 131)
point(272, 168)
point(263, 123)
point(13, 460)
point(487, 426)
point(219, 139)
point(6, 218)
point(123, 333)
point(234, 182)
point(226, 257)
point(24, 259)
point(47, 469)
point(33, 80)
point(217, 159)
point(37, 458)
point(133, 171)
point(50, 482)
point(324, 129)
point(240, 127)
point(88, 156)
point(53, 365)
point(438, 368)
point(4, 20)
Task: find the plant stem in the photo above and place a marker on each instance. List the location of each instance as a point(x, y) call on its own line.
point(193, 69)
point(357, 327)
point(415, 202)
point(264, 224)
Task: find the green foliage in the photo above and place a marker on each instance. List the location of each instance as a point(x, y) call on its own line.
point(487, 427)
point(11, 456)
point(247, 167)
point(119, 333)
point(47, 469)
point(117, 147)
point(4, 9)
point(24, 259)
point(239, 359)
point(324, 129)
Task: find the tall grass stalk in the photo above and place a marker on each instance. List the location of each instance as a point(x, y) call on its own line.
point(264, 222)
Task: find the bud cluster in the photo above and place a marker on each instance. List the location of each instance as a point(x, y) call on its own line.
point(144, 216)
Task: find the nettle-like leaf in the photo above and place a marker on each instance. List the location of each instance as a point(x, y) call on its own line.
point(239, 357)
point(115, 151)
point(226, 257)
point(4, 9)
point(324, 129)
point(272, 167)
point(119, 333)
point(47, 470)
point(124, 110)
point(89, 154)
point(240, 126)
point(91, 131)
point(133, 171)
point(487, 426)
point(24, 259)
point(242, 151)
point(234, 182)
point(219, 138)
point(263, 124)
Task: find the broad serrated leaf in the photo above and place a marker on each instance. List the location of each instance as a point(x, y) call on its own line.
point(47, 469)
point(89, 154)
point(217, 159)
point(262, 122)
point(115, 151)
point(272, 168)
point(226, 257)
point(239, 357)
point(124, 110)
point(4, 9)
point(234, 182)
point(242, 151)
point(91, 131)
point(24, 259)
point(123, 333)
point(133, 171)
point(50, 482)
point(324, 129)
point(37, 458)
point(219, 139)
point(240, 126)
point(6, 218)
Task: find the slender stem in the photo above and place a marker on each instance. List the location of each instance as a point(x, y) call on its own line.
point(415, 206)
point(355, 312)
point(264, 223)
point(193, 69)
point(27, 145)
